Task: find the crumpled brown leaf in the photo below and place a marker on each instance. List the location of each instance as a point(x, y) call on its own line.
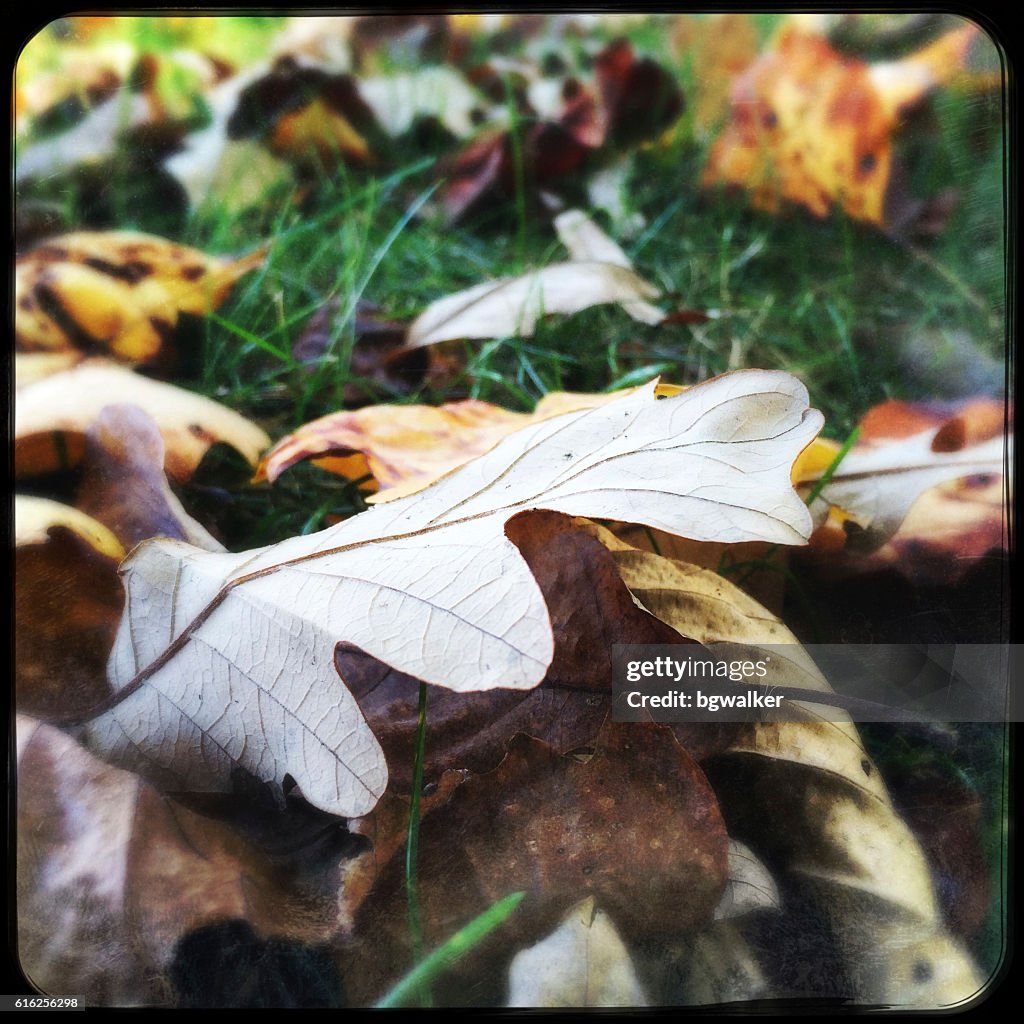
point(111, 874)
point(560, 829)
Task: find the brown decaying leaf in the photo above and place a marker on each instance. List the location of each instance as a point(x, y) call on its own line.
point(636, 827)
point(68, 597)
point(111, 874)
point(52, 416)
point(67, 604)
point(122, 482)
point(590, 609)
point(120, 292)
point(812, 127)
point(632, 99)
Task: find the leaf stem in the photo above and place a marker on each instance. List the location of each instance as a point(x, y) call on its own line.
point(445, 955)
point(412, 847)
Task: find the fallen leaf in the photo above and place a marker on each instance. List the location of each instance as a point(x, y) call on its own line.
point(636, 827)
point(111, 875)
point(713, 462)
point(630, 100)
point(815, 128)
point(122, 482)
point(116, 291)
point(513, 305)
point(599, 273)
point(67, 604)
point(720, 47)
point(583, 962)
point(878, 482)
point(52, 416)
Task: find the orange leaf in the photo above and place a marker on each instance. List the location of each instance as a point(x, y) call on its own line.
point(407, 447)
point(815, 128)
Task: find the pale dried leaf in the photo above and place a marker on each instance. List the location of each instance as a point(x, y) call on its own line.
point(428, 584)
point(513, 305)
point(586, 241)
point(749, 886)
point(52, 416)
point(877, 486)
point(582, 963)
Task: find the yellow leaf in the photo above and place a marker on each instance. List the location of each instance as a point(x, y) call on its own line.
point(120, 290)
point(33, 518)
point(813, 127)
point(52, 416)
point(408, 447)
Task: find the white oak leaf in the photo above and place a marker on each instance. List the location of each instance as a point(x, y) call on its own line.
point(225, 660)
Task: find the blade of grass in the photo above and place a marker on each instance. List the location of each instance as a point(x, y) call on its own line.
point(253, 339)
point(445, 955)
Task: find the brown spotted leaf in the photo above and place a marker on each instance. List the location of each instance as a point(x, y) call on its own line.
point(119, 292)
point(636, 826)
point(67, 604)
point(813, 127)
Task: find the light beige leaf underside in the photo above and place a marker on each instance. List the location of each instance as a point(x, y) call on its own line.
point(226, 660)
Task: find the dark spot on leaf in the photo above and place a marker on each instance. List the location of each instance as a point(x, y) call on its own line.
point(769, 119)
point(131, 272)
point(192, 272)
point(922, 971)
point(164, 328)
point(52, 306)
point(867, 163)
point(196, 430)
